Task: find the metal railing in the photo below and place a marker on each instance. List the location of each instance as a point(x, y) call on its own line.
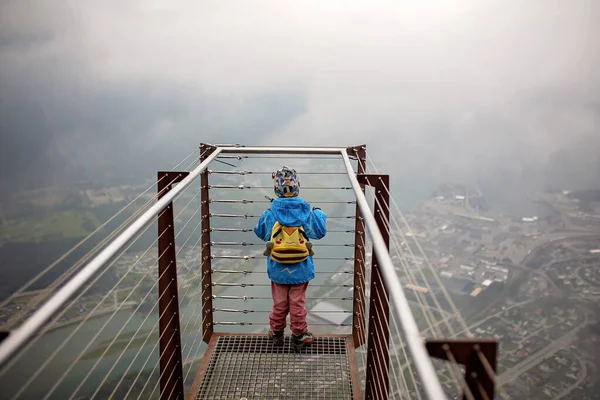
point(395, 357)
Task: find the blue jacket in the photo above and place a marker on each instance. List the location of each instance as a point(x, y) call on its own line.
point(291, 211)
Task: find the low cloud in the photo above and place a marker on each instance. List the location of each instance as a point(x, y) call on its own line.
point(446, 90)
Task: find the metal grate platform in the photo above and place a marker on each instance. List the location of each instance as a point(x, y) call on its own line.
point(249, 367)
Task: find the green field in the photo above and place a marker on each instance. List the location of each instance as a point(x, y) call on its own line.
point(58, 225)
point(509, 346)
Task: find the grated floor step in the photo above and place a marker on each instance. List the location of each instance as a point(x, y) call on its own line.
point(249, 367)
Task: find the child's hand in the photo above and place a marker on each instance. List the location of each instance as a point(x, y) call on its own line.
point(309, 246)
point(270, 245)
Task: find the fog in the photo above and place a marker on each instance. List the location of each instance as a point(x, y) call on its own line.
point(467, 90)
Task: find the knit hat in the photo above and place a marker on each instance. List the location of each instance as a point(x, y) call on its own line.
point(286, 183)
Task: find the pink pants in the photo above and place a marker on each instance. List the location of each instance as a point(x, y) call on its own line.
point(288, 299)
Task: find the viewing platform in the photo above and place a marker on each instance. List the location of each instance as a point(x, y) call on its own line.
point(186, 277)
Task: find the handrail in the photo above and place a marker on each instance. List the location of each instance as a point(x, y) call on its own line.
point(283, 150)
point(401, 307)
point(19, 336)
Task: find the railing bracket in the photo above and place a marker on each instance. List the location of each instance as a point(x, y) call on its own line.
point(477, 355)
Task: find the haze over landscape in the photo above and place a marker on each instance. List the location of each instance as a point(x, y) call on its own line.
point(445, 90)
point(486, 115)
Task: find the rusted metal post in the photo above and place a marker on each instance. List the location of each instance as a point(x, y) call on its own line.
point(358, 304)
point(171, 368)
point(377, 380)
point(477, 355)
point(207, 303)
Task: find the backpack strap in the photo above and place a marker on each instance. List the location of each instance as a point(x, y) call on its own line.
point(303, 234)
point(276, 231)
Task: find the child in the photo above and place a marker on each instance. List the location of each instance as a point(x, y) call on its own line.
point(290, 277)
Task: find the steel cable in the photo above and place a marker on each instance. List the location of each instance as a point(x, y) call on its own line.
point(457, 379)
point(147, 294)
point(80, 243)
point(47, 361)
point(143, 322)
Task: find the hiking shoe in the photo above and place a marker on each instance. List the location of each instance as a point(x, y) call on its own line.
point(276, 337)
point(298, 342)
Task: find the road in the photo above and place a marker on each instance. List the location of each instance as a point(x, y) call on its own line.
point(553, 238)
point(580, 380)
point(540, 356)
point(475, 324)
point(519, 270)
point(541, 274)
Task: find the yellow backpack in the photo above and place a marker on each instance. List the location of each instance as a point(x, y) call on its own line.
point(288, 244)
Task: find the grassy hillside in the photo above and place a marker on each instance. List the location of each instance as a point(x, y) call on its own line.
point(55, 225)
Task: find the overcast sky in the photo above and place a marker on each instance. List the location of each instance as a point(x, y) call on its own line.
point(459, 90)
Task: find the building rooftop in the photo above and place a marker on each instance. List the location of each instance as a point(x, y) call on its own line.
point(330, 312)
